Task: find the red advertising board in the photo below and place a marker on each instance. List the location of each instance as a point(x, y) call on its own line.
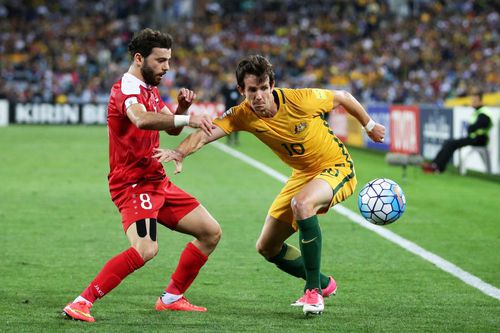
point(405, 129)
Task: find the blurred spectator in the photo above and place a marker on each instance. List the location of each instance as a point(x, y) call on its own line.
point(478, 134)
point(404, 51)
point(231, 97)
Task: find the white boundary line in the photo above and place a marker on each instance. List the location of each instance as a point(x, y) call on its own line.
point(443, 264)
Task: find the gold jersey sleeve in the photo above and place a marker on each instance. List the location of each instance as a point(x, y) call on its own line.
point(298, 133)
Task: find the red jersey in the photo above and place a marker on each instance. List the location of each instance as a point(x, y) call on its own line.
point(130, 148)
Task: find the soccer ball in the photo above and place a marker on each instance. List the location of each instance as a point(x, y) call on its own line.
point(381, 201)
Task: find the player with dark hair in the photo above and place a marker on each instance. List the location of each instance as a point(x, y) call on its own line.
point(290, 122)
point(478, 134)
point(138, 185)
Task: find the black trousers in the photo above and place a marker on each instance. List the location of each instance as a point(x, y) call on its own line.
point(449, 147)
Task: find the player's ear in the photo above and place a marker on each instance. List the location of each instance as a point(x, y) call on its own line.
point(241, 90)
point(138, 59)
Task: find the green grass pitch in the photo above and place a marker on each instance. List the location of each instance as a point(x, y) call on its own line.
point(59, 227)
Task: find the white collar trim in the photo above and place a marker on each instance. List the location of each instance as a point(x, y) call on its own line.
point(131, 85)
point(131, 77)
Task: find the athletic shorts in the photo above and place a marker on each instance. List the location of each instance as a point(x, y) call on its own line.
point(341, 178)
point(160, 199)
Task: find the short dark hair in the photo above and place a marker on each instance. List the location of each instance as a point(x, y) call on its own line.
point(145, 40)
point(477, 93)
point(255, 65)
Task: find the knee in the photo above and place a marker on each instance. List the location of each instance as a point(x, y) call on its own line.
point(302, 207)
point(212, 236)
point(261, 249)
point(215, 236)
point(147, 251)
point(266, 250)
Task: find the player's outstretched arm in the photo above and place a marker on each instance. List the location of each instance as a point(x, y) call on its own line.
point(188, 146)
point(139, 116)
point(185, 99)
point(375, 131)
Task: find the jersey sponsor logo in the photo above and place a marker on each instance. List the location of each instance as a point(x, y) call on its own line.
point(300, 127)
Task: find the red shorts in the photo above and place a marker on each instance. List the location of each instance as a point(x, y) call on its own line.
point(160, 200)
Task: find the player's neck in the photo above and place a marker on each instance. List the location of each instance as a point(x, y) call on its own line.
point(274, 108)
point(133, 70)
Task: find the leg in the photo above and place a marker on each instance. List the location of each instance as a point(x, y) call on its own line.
point(142, 237)
point(443, 157)
point(271, 245)
point(183, 213)
point(200, 224)
point(316, 195)
point(272, 238)
point(139, 223)
point(278, 227)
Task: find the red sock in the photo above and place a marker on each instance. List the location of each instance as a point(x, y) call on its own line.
point(115, 270)
point(190, 263)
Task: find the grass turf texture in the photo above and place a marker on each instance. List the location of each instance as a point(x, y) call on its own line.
point(59, 227)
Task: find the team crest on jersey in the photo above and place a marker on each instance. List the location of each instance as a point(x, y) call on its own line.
point(300, 127)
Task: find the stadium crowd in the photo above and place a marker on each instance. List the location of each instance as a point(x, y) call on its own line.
point(413, 51)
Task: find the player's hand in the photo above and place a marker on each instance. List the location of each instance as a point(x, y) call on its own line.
point(203, 121)
point(377, 134)
point(185, 98)
point(167, 155)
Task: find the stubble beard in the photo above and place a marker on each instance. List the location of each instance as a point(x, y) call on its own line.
point(149, 75)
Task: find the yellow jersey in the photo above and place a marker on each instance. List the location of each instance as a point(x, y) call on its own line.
point(297, 133)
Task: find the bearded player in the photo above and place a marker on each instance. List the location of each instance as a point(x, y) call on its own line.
point(138, 185)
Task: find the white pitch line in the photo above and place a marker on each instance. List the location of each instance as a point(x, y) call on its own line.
point(443, 264)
